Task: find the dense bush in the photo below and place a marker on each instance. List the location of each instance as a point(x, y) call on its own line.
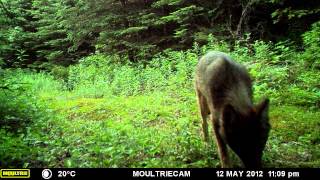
point(19, 104)
point(23, 116)
point(277, 70)
point(312, 45)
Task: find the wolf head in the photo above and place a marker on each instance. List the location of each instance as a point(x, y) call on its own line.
point(247, 134)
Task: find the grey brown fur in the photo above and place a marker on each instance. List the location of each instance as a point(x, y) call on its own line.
point(224, 91)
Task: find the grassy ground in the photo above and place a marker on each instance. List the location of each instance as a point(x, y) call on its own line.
point(162, 129)
point(154, 130)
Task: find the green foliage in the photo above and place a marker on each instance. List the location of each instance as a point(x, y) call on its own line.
point(215, 44)
point(106, 111)
point(99, 74)
point(311, 41)
point(53, 45)
point(295, 16)
point(262, 51)
point(15, 110)
point(23, 115)
point(295, 12)
point(15, 32)
point(35, 32)
point(60, 72)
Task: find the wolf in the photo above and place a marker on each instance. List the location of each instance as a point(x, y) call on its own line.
point(224, 92)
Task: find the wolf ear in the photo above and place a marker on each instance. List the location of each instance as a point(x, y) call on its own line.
point(262, 110)
point(229, 116)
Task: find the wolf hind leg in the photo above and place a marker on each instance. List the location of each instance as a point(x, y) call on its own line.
point(204, 111)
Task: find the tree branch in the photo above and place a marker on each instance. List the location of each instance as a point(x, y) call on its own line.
point(6, 11)
point(242, 18)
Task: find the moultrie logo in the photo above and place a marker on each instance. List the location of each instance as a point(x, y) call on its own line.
point(15, 173)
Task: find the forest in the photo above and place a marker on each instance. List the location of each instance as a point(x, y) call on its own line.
point(110, 83)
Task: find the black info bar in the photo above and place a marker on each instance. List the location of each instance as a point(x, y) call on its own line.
point(161, 173)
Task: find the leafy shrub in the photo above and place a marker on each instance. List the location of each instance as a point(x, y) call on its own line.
point(242, 53)
point(273, 67)
point(19, 104)
point(99, 74)
point(311, 41)
point(60, 72)
point(215, 44)
point(262, 51)
point(126, 81)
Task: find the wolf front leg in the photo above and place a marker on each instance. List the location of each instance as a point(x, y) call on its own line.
point(222, 146)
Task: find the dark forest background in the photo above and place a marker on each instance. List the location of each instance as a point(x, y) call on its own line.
point(38, 33)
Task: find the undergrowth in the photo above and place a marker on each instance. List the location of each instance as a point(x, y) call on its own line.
point(107, 112)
